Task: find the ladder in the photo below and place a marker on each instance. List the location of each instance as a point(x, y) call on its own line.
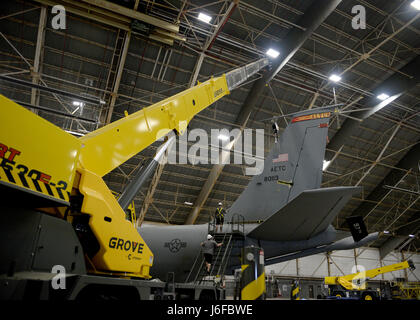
point(222, 254)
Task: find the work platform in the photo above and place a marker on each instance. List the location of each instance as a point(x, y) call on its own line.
point(228, 254)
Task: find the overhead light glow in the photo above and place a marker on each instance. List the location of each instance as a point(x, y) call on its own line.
point(272, 53)
point(385, 101)
point(325, 165)
point(188, 203)
point(75, 133)
point(386, 232)
point(335, 78)
point(204, 17)
point(78, 104)
point(223, 137)
point(383, 96)
point(411, 235)
point(416, 4)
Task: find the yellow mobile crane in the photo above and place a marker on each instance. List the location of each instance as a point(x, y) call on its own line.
point(55, 207)
point(355, 284)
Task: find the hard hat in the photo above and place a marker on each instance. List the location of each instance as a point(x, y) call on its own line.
point(220, 204)
point(209, 236)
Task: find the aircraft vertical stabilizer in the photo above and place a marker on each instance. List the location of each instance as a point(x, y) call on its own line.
point(293, 165)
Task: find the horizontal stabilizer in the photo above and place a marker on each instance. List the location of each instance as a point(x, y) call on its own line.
point(343, 244)
point(307, 215)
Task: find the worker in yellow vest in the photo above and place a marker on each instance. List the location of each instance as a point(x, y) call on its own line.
point(220, 216)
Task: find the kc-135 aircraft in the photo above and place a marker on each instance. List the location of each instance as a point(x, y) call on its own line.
point(292, 215)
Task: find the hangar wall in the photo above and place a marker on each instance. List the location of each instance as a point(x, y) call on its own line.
point(342, 262)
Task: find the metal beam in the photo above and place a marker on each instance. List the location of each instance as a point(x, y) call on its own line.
point(117, 81)
point(134, 14)
point(379, 156)
point(402, 213)
point(105, 19)
point(45, 87)
point(314, 16)
point(51, 90)
point(387, 194)
point(38, 49)
point(197, 68)
point(395, 85)
point(400, 235)
point(54, 111)
point(163, 31)
point(371, 51)
point(402, 190)
point(409, 161)
point(353, 51)
point(210, 41)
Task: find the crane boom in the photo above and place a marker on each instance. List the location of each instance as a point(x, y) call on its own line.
point(110, 146)
point(357, 281)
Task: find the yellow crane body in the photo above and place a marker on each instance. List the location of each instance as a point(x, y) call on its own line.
point(36, 156)
point(357, 281)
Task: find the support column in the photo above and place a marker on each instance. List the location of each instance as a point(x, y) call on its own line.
point(405, 270)
point(120, 69)
point(355, 257)
point(328, 264)
point(37, 59)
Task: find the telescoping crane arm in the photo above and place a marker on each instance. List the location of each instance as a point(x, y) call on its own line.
point(110, 146)
point(357, 281)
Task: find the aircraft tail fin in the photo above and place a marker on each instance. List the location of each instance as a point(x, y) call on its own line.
point(293, 165)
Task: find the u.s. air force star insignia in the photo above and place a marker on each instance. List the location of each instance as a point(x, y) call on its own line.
point(175, 245)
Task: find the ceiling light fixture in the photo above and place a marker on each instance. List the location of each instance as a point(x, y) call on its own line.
point(335, 78)
point(416, 4)
point(272, 53)
point(204, 17)
point(78, 104)
point(383, 96)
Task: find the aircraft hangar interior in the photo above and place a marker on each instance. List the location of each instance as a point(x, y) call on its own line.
point(210, 150)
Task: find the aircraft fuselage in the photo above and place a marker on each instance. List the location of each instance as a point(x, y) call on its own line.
point(175, 247)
